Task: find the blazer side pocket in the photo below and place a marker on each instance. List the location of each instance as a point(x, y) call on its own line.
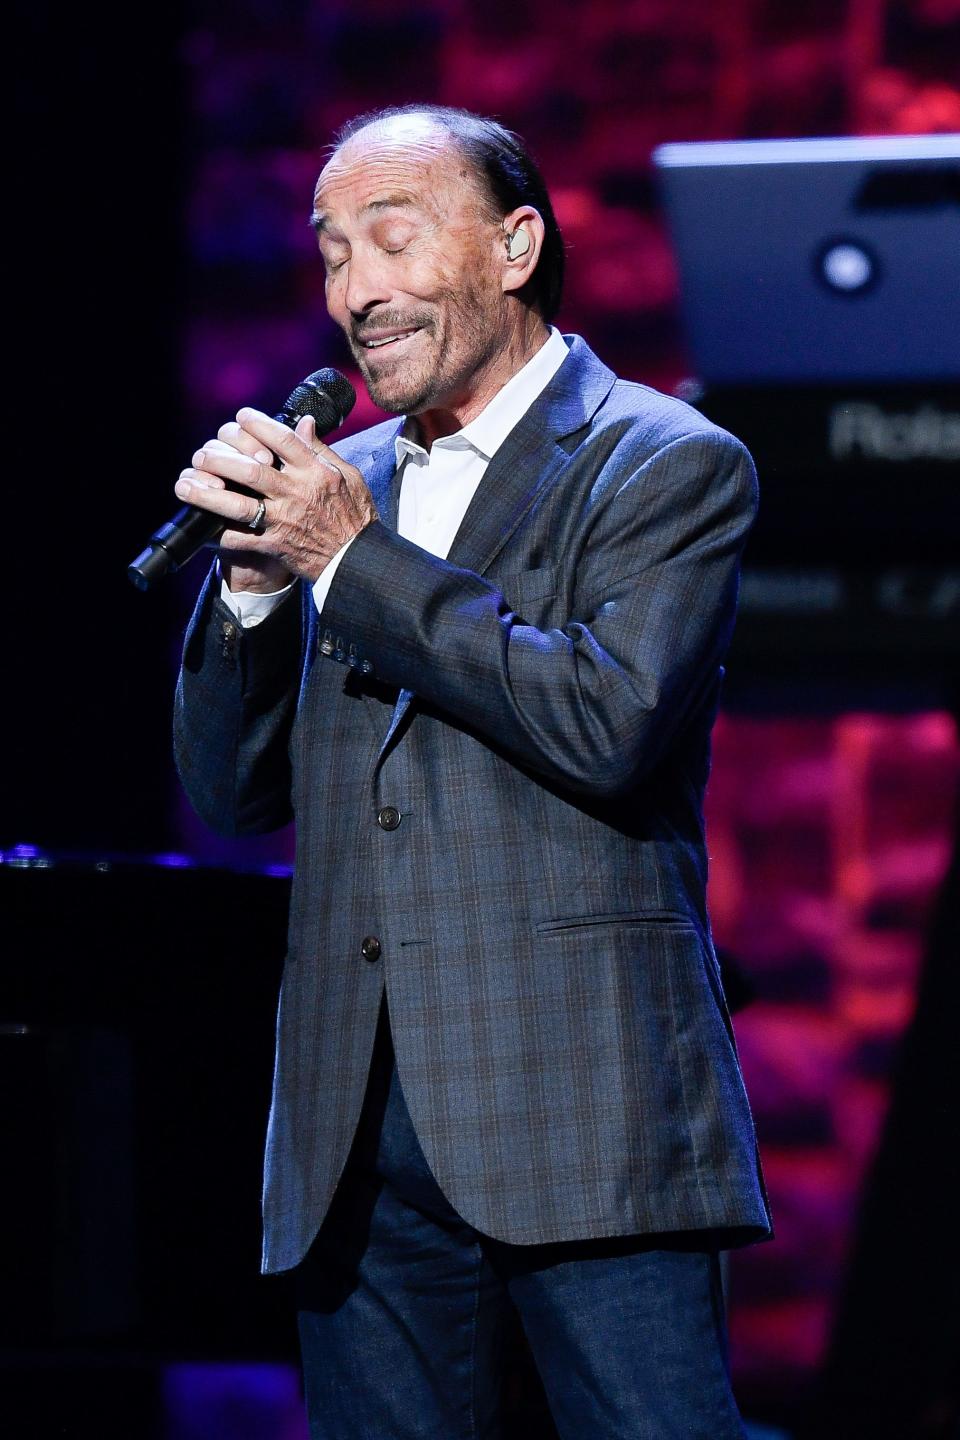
point(670, 919)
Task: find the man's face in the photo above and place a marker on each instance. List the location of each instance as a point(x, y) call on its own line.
point(412, 255)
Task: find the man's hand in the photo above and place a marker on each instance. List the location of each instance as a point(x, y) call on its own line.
point(314, 504)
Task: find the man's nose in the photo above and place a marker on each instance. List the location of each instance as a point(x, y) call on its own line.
point(367, 285)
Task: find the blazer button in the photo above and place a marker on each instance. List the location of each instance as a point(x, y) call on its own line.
point(229, 640)
point(388, 818)
point(370, 948)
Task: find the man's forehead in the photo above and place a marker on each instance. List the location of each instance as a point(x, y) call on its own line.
point(406, 155)
point(409, 129)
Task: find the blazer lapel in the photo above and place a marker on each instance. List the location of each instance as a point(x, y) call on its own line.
point(531, 459)
point(380, 473)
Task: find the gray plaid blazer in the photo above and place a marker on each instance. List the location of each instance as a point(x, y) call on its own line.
point(496, 763)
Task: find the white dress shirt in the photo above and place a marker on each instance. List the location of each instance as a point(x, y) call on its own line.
point(438, 484)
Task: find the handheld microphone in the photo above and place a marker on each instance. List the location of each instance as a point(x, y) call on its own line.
point(326, 395)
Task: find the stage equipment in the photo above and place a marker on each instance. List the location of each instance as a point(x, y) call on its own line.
point(820, 294)
point(136, 1056)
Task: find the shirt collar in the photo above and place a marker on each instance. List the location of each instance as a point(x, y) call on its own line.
point(487, 431)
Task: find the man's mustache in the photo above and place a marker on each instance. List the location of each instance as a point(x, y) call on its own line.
point(386, 320)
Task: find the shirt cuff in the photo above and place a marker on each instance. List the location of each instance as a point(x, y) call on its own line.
point(251, 607)
point(325, 580)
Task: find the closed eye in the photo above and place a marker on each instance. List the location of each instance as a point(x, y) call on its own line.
point(392, 234)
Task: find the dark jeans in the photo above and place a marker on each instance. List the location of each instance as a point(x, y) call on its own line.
point(402, 1311)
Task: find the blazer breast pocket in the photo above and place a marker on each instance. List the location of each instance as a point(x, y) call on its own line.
point(544, 580)
point(531, 594)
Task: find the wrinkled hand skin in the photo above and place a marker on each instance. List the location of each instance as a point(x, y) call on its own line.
point(315, 503)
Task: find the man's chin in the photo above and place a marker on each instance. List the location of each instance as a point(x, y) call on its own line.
point(393, 383)
point(394, 393)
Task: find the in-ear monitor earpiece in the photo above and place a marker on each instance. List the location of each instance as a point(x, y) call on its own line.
point(518, 244)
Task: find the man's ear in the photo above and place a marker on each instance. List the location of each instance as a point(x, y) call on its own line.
point(523, 233)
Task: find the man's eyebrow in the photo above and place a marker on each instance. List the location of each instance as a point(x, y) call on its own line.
point(319, 220)
point(398, 201)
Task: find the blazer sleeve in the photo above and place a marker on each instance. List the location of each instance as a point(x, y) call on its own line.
point(234, 708)
point(595, 703)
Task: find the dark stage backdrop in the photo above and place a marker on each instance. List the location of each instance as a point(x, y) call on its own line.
point(95, 289)
point(167, 275)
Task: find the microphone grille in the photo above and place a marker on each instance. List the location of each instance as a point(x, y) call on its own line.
point(326, 395)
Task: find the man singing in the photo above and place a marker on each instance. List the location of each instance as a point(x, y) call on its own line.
point(476, 653)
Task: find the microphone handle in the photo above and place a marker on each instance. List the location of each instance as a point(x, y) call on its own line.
point(178, 541)
point(325, 395)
